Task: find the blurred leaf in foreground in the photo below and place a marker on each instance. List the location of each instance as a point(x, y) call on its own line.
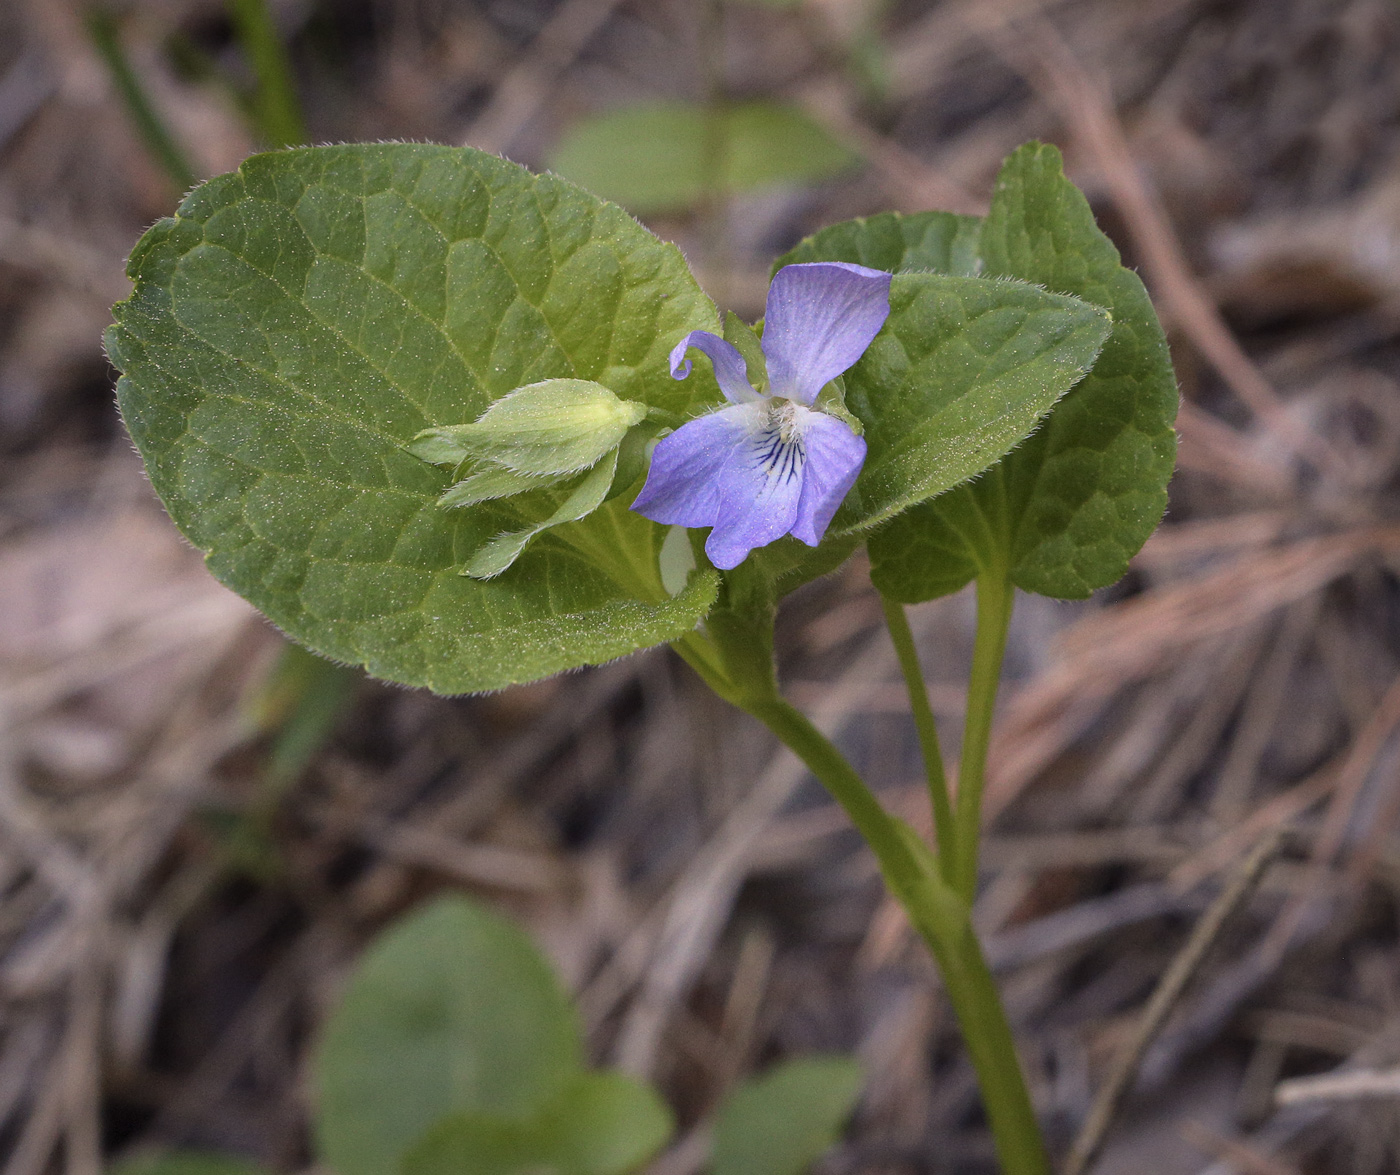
point(182, 1162)
point(600, 1124)
point(655, 158)
point(781, 1122)
point(451, 1010)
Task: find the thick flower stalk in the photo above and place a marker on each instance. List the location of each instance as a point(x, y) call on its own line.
point(771, 463)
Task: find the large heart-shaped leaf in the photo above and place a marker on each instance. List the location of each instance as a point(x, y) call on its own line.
point(1063, 513)
point(301, 320)
point(963, 370)
point(452, 1010)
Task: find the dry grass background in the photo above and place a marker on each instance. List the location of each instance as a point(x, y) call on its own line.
point(171, 931)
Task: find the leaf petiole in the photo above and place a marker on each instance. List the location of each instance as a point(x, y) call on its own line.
point(926, 725)
point(995, 597)
point(944, 921)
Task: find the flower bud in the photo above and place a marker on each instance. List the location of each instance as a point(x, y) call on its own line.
point(555, 427)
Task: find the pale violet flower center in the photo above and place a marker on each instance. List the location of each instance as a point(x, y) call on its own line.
point(780, 424)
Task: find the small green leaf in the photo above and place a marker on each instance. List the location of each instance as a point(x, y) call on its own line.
point(964, 370)
point(301, 320)
point(832, 400)
point(556, 426)
point(740, 335)
point(452, 1009)
point(1064, 513)
point(633, 456)
point(183, 1162)
point(493, 482)
point(586, 497)
point(780, 1123)
point(936, 242)
point(600, 1124)
point(654, 158)
point(609, 1124)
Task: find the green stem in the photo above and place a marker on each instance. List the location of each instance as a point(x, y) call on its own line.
point(102, 29)
point(275, 106)
point(837, 775)
point(734, 656)
point(973, 993)
point(700, 654)
point(995, 597)
point(944, 922)
point(927, 727)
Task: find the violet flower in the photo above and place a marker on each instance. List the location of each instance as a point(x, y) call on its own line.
point(771, 464)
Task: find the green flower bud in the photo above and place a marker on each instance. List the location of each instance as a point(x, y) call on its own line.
point(491, 482)
point(497, 555)
point(556, 427)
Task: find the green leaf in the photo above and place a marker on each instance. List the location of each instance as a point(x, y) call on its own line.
point(780, 1123)
point(452, 1009)
point(556, 426)
point(832, 400)
point(183, 1162)
point(963, 370)
point(740, 335)
point(586, 497)
point(300, 321)
point(658, 157)
point(600, 1124)
point(1064, 513)
point(937, 242)
point(633, 456)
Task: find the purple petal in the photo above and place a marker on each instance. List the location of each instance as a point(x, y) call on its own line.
point(834, 457)
point(685, 482)
point(760, 488)
point(731, 372)
point(820, 319)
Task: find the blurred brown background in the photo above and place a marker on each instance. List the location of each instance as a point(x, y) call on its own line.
point(181, 886)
